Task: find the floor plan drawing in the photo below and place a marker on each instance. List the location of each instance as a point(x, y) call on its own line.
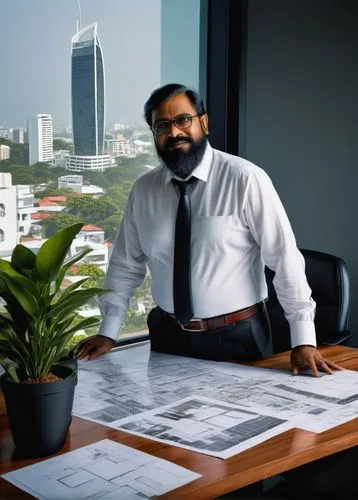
point(205, 425)
point(132, 381)
point(105, 470)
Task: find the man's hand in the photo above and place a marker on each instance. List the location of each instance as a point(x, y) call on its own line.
point(92, 347)
point(305, 357)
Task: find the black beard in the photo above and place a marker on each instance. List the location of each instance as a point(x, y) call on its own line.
point(182, 163)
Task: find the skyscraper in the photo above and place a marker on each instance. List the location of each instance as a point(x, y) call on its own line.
point(18, 135)
point(88, 95)
point(87, 92)
point(40, 139)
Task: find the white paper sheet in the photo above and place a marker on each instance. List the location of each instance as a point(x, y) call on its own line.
point(206, 426)
point(106, 470)
point(132, 381)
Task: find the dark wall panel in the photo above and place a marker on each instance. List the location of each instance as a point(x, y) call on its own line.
point(299, 117)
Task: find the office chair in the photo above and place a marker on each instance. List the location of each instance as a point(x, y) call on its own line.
point(328, 279)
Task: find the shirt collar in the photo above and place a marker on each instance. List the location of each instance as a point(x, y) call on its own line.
point(201, 171)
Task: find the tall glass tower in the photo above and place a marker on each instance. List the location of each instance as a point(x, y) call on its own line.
point(88, 92)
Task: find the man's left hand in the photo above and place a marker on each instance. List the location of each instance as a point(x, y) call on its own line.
point(307, 357)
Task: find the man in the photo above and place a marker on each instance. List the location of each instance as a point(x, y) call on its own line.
point(211, 291)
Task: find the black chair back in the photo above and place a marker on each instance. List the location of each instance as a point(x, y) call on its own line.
point(328, 279)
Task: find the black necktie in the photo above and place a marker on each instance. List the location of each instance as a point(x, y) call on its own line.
point(183, 303)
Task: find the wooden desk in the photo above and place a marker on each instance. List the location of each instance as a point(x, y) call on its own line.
point(281, 453)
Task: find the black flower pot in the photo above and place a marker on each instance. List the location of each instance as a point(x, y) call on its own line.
point(69, 361)
point(40, 414)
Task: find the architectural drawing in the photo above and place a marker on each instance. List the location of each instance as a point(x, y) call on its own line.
point(106, 470)
point(205, 425)
point(132, 381)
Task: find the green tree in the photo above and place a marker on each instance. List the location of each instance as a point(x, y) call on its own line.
point(95, 273)
point(144, 290)
point(19, 153)
point(134, 322)
point(55, 192)
point(42, 172)
point(58, 172)
point(60, 144)
point(110, 225)
point(21, 174)
point(58, 222)
point(92, 210)
point(119, 194)
point(5, 141)
point(87, 270)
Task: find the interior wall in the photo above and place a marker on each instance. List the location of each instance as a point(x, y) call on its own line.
point(299, 117)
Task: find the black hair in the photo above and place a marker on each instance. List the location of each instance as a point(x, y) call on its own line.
point(171, 89)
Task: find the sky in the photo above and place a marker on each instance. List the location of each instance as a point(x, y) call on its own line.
point(35, 38)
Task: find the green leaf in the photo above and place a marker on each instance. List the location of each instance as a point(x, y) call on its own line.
point(7, 268)
point(10, 369)
point(18, 315)
point(24, 291)
point(74, 300)
point(69, 263)
point(86, 323)
point(5, 322)
point(73, 287)
point(53, 252)
point(23, 259)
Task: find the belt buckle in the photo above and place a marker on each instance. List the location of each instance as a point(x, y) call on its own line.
point(202, 329)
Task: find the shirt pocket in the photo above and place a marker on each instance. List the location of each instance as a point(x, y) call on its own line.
point(213, 228)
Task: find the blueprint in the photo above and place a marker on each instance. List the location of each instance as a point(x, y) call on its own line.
point(105, 470)
point(205, 425)
point(130, 382)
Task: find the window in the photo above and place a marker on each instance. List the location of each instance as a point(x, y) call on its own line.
point(110, 74)
point(95, 258)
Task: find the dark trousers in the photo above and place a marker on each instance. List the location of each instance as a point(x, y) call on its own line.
point(248, 340)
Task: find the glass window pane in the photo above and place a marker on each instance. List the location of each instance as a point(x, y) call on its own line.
point(73, 139)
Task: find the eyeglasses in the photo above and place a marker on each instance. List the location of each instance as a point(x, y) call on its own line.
point(182, 122)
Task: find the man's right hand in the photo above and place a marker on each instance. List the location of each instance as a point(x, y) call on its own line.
point(93, 347)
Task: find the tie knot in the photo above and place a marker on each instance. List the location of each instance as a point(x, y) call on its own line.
point(184, 186)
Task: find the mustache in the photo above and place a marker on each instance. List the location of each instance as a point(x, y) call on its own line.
point(172, 141)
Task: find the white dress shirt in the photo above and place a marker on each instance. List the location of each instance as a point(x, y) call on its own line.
point(238, 226)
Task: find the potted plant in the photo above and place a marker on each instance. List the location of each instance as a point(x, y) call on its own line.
point(36, 323)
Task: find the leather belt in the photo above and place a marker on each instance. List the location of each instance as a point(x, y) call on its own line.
point(204, 325)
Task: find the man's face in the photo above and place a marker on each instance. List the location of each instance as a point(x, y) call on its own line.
point(181, 149)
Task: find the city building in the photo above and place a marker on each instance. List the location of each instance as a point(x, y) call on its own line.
point(92, 233)
point(25, 208)
point(8, 225)
point(75, 183)
point(119, 126)
point(40, 139)
point(4, 152)
point(88, 103)
point(120, 147)
point(60, 158)
point(88, 95)
point(97, 256)
point(82, 163)
point(18, 135)
point(4, 132)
